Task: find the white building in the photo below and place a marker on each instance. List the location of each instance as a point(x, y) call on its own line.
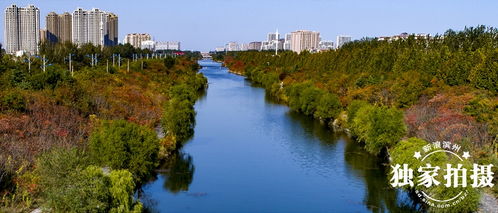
point(326, 45)
point(273, 41)
point(22, 29)
point(219, 49)
point(302, 40)
point(97, 27)
point(167, 45)
point(80, 26)
point(151, 45)
point(232, 46)
point(288, 41)
point(244, 47)
point(341, 40)
point(94, 27)
point(136, 39)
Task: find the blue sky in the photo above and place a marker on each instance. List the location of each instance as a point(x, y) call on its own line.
point(205, 24)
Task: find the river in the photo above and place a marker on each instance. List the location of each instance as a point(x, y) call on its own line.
point(250, 154)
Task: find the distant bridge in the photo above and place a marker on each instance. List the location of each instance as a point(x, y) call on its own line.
point(206, 55)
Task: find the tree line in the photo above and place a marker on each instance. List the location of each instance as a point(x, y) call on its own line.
point(85, 141)
point(436, 88)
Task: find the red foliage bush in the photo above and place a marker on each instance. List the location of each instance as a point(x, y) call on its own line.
point(45, 125)
point(442, 119)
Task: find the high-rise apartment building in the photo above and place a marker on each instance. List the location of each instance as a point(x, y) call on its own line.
point(273, 41)
point(80, 27)
point(302, 40)
point(288, 41)
point(94, 26)
point(59, 27)
point(341, 40)
point(135, 39)
point(53, 28)
point(113, 29)
point(22, 29)
point(273, 36)
point(65, 27)
point(97, 27)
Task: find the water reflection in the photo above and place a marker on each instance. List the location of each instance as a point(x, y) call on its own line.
point(178, 172)
point(371, 170)
point(379, 197)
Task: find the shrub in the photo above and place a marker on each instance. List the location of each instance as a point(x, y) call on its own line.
point(72, 188)
point(17, 77)
point(179, 119)
point(378, 127)
point(14, 101)
point(353, 108)
point(50, 79)
point(183, 92)
point(328, 107)
point(169, 62)
point(123, 145)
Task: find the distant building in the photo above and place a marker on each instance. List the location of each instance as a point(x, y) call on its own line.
point(272, 36)
point(97, 27)
point(174, 45)
point(219, 49)
point(113, 29)
point(232, 46)
point(52, 32)
point(22, 29)
point(256, 45)
point(94, 26)
point(273, 41)
point(326, 45)
point(59, 27)
point(404, 36)
point(244, 47)
point(43, 35)
point(341, 40)
point(135, 39)
point(151, 45)
point(80, 26)
point(288, 41)
point(168, 45)
point(302, 40)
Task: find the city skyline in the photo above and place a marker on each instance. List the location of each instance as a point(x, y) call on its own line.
point(213, 24)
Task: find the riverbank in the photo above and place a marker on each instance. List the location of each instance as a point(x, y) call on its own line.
point(435, 112)
point(95, 124)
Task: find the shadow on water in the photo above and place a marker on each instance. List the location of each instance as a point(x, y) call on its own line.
point(379, 196)
point(178, 172)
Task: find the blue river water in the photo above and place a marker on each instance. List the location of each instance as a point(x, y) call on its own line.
point(250, 154)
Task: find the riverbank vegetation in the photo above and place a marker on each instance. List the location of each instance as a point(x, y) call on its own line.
point(442, 88)
point(84, 140)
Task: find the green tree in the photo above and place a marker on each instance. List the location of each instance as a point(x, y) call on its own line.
point(379, 127)
point(121, 190)
point(123, 145)
point(69, 185)
point(179, 119)
point(328, 107)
